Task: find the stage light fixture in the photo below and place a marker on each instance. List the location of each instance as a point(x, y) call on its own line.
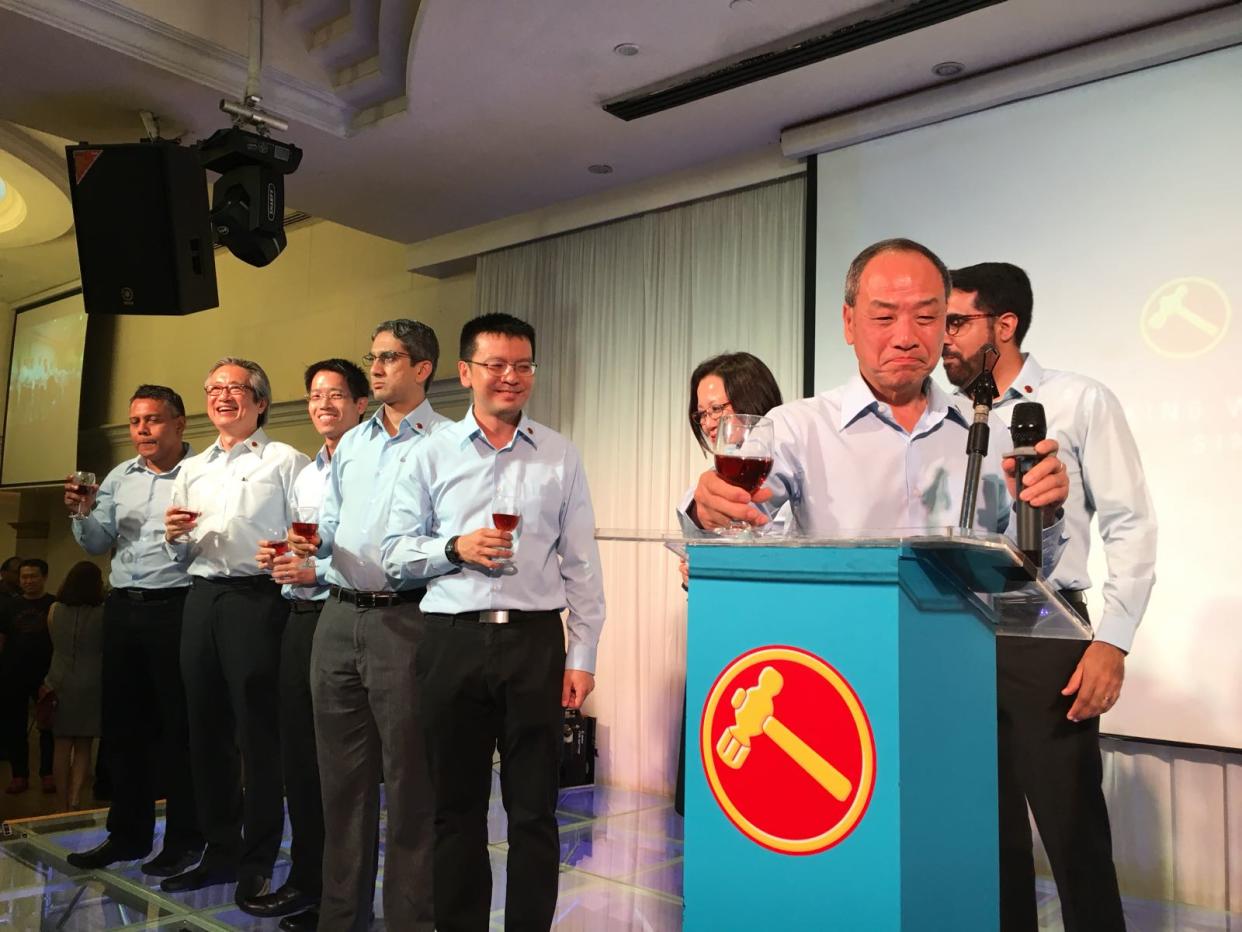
point(248, 199)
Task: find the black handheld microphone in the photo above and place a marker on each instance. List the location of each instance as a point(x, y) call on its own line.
point(982, 392)
point(1027, 428)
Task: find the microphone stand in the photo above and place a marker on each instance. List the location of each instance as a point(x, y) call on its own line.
point(982, 392)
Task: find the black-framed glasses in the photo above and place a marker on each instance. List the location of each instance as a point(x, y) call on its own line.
point(498, 368)
point(715, 412)
point(386, 358)
point(235, 389)
point(954, 322)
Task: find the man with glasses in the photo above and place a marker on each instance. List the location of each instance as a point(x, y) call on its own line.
point(493, 669)
point(336, 399)
point(362, 662)
point(142, 643)
point(1051, 692)
point(224, 501)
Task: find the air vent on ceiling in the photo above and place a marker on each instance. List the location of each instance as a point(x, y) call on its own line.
point(856, 34)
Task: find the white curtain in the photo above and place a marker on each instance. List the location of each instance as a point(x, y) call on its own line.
point(622, 314)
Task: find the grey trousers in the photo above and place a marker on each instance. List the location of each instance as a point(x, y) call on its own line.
point(368, 727)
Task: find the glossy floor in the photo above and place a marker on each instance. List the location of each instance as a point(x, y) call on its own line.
point(621, 857)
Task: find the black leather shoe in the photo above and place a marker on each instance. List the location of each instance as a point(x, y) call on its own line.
point(104, 854)
point(251, 887)
point(288, 899)
point(172, 861)
point(199, 877)
point(302, 922)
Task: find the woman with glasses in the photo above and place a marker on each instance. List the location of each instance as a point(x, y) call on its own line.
point(731, 383)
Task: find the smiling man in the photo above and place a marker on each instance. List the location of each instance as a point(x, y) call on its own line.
point(225, 500)
point(142, 643)
point(362, 662)
point(493, 667)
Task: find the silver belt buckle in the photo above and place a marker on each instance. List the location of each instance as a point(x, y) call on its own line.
point(499, 616)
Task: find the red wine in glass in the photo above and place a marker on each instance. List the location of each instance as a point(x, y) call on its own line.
point(305, 529)
point(280, 546)
point(745, 472)
point(505, 522)
point(84, 489)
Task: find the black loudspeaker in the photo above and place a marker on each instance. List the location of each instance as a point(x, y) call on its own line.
point(143, 228)
point(578, 749)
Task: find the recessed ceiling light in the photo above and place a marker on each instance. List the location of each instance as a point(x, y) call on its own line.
point(12, 208)
point(626, 48)
point(600, 169)
point(948, 69)
point(739, 4)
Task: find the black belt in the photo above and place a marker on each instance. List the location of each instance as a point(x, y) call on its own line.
point(262, 581)
point(306, 606)
point(382, 599)
point(496, 616)
point(152, 595)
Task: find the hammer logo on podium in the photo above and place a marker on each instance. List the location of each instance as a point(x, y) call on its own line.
point(806, 786)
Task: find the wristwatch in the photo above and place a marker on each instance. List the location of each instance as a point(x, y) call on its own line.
point(450, 551)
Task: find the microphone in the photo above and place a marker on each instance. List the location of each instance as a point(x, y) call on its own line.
point(1027, 428)
point(982, 391)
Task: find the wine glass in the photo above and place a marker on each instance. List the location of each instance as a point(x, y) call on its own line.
point(276, 537)
point(179, 501)
point(306, 524)
point(84, 484)
point(743, 451)
point(507, 510)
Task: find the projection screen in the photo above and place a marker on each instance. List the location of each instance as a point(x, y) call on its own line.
point(1123, 201)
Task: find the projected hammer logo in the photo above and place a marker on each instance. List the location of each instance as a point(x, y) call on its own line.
point(755, 715)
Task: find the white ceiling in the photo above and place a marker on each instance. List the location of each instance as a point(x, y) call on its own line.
point(500, 114)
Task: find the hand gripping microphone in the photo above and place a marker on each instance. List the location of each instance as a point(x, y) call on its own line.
point(982, 392)
point(1027, 428)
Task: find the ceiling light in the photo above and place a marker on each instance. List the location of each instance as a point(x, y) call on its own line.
point(600, 169)
point(626, 48)
point(12, 208)
point(948, 69)
point(739, 4)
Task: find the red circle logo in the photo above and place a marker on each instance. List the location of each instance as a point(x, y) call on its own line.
point(787, 750)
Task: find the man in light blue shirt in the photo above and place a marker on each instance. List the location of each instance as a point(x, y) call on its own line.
point(1046, 761)
point(143, 695)
point(336, 398)
point(362, 662)
point(493, 668)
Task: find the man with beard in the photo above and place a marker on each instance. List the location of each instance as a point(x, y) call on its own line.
point(224, 501)
point(1051, 692)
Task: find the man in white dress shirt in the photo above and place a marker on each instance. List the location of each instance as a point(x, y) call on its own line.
point(1051, 692)
point(224, 501)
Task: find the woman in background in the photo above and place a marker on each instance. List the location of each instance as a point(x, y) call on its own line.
point(76, 624)
point(731, 383)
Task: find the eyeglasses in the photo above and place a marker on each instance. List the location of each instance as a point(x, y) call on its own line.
point(954, 322)
point(715, 412)
point(231, 388)
point(335, 396)
point(499, 369)
point(386, 358)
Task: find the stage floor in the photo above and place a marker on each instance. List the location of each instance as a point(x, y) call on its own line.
point(621, 857)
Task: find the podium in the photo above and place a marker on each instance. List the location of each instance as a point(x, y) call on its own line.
point(841, 727)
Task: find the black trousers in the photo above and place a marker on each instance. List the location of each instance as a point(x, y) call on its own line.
point(14, 724)
point(484, 686)
point(1054, 765)
point(230, 661)
point(368, 725)
point(298, 750)
point(145, 729)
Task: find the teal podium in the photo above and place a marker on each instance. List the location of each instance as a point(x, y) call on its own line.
point(841, 728)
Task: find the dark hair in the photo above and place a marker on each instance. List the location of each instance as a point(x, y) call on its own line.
point(8, 564)
point(418, 339)
point(748, 383)
point(999, 288)
point(854, 275)
point(83, 585)
point(352, 373)
point(160, 393)
point(503, 324)
point(40, 565)
point(256, 378)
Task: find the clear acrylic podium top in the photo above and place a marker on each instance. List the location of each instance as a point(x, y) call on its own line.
point(988, 568)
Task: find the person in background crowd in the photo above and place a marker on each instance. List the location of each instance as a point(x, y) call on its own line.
point(23, 665)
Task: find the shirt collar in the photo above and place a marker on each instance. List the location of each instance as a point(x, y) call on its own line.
point(527, 429)
point(256, 443)
point(139, 463)
point(419, 420)
point(857, 400)
point(1026, 382)
point(321, 459)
